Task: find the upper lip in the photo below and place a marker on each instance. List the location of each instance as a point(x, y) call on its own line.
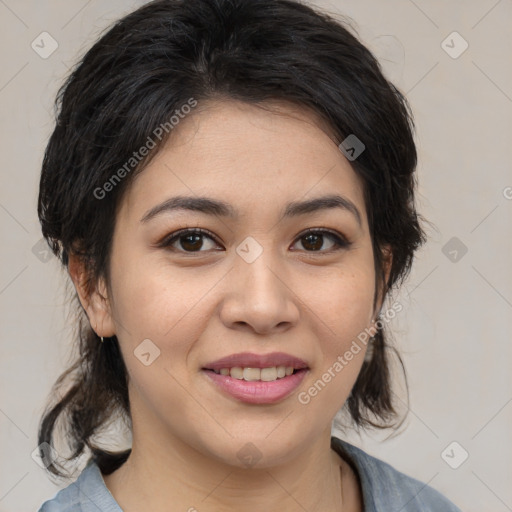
point(250, 360)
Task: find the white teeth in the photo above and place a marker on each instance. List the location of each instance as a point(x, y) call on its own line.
point(236, 372)
point(251, 374)
point(268, 374)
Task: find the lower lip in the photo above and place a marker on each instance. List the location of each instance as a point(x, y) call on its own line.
point(257, 392)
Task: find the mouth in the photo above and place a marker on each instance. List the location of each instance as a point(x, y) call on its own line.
point(256, 378)
point(249, 386)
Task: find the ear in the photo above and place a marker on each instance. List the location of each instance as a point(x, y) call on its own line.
point(387, 260)
point(93, 297)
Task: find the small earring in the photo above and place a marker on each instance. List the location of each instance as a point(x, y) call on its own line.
point(102, 339)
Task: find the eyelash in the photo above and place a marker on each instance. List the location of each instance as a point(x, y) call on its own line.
point(340, 241)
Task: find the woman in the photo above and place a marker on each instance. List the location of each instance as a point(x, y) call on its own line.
point(230, 185)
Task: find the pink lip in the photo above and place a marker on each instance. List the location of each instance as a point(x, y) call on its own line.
point(250, 360)
point(257, 392)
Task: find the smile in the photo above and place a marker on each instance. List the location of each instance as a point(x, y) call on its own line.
point(256, 385)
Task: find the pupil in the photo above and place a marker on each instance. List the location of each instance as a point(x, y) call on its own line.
point(193, 245)
point(316, 246)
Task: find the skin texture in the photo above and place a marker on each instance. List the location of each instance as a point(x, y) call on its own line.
point(199, 306)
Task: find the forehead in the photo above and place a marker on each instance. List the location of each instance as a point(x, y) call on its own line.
point(249, 156)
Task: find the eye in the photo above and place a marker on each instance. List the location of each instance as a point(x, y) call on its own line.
point(191, 240)
point(313, 240)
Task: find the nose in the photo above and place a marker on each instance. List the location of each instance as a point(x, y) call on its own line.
point(259, 297)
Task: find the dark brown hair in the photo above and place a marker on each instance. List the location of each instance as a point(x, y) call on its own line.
point(132, 80)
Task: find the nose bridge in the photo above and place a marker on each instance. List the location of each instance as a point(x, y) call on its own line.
point(257, 266)
point(258, 295)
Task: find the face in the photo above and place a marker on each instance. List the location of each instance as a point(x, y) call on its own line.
point(254, 281)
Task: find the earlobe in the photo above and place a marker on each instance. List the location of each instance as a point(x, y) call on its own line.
point(93, 297)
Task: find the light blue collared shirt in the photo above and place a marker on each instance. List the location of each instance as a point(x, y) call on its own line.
point(385, 489)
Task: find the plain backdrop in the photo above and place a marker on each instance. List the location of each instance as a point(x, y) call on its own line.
point(452, 59)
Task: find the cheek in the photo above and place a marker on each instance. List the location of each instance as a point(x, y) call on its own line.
point(156, 303)
point(341, 301)
point(342, 312)
point(153, 303)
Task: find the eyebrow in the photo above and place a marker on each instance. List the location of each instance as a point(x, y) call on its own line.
point(216, 207)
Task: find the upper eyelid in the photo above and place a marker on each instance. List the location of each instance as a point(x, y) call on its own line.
point(184, 231)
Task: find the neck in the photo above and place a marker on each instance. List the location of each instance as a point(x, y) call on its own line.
point(180, 477)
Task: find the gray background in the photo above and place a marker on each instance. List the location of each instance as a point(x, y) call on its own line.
point(454, 331)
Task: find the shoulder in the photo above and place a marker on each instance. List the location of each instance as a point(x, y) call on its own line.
point(87, 494)
point(386, 488)
point(66, 500)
